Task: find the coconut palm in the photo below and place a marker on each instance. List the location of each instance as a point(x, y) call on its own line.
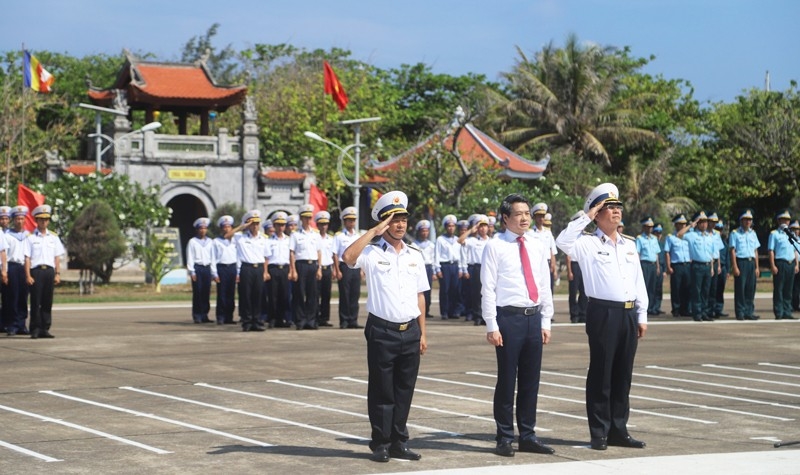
point(565, 98)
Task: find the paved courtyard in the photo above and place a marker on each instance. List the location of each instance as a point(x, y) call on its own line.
point(134, 388)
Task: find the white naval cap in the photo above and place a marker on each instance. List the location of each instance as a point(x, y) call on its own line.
point(450, 218)
point(42, 211)
point(322, 217)
point(279, 217)
point(201, 222)
point(20, 210)
point(292, 219)
point(390, 203)
point(5, 211)
point(225, 220)
point(605, 192)
point(539, 208)
point(307, 211)
point(423, 224)
point(350, 213)
point(252, 216)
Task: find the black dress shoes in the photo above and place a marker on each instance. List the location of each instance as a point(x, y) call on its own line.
point(599, 443)
point(403, 452)
point(380, 454)
point(504, 449)
point(626, 441)
point(45, 334)
point(535, 446)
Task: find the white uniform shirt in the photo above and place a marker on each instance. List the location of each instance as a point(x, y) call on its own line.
point(326, 250)
point(394, 280)
point(503, 281)
point(16, 245)
point(547, 238)
point(198, 253)
point(223, 251)
point(473, 248)
point(278, 252)
point(305, 245)
point(250, 249)
point(428, 249)
point(342, 241)
point(42, 249)
point(610, 272)
point(447, 250)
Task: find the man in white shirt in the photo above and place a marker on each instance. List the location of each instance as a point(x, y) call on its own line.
point(448, 265)
point(305, 271)
point(15, 293)
point(43, 251)
point(251, 259)
point(349, 279)
point(518, 308)
point(223, 270)
point(323, 220)
point(616, 317)
point(198, 262)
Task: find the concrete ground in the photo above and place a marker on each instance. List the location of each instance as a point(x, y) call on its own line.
point(139, 388)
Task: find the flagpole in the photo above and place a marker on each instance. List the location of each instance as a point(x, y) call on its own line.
point(24, 119)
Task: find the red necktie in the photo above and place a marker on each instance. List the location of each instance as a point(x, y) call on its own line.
point(533, 292)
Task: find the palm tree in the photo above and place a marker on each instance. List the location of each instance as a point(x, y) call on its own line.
point(565, 98)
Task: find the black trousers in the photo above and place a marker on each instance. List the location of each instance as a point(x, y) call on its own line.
point(324, 286)
point(679, 288)
point(427, 293)
point(278, 292)
point(393, 363)
point(613, 339)
point(349, 292)
point(251, 280)
point(782, 284)
point(15, 298)
point(449, 297)
point(519, 363)
point(473, 300)
point(201, 293)
point(701, 285)
point(305, 299)
point(226, 292)
point(577, 295)
point(649, 274)
point(42, 298)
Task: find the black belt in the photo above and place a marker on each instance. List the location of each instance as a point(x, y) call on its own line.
point(648, 262)
point(401, 327)
point(221, 264)
point(15, 263)
point(610, 303)
point(277, 266)
point(701, 263)
point(202, 265)
point(42, 267)
point(325, 267)
point(527, 311)
point(449, 263)
point(306, 261)
point(744, 258)
point(785, 260)
point(252, 264)
point(678, 263)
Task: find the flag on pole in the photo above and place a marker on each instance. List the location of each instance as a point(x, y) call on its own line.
point(36, 77)
point(31, 199)
point(318, 200)
point(373, 196)
point(334, 87)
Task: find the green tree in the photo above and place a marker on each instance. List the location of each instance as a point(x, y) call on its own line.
point(155, 256)
point(95, 238)
point(565, 98)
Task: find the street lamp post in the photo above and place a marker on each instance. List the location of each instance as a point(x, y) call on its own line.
point(99, 136)
point(98, 127)
point(355, 184)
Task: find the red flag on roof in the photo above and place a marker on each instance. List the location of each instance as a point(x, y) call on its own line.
point(334, 87)
point(31, 199)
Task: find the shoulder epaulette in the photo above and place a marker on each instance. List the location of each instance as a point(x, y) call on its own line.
point(414, 247)
point(629, 237)
point(337, 233)
point(587, 233)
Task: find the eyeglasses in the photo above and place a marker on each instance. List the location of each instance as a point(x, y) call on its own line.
point(613, 206)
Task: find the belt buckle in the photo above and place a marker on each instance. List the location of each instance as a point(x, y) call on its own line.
point(403, 327)
point(529, 311)
point(629, 304)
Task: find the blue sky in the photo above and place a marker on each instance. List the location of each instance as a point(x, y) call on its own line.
point(721, 46)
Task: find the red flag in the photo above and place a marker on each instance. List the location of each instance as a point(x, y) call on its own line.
point(334, 87)
point(31, 199)
point(318, 200)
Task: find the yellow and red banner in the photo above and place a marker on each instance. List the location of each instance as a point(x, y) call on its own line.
point(334, 87)
point(36, 77)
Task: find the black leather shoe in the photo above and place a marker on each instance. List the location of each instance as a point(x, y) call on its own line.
point(599, 443)
point(325, 324)
point(504, 449)
point(34, 334)
point(403, 452)
point(721, 314)
point(380, 454)
point(788, 317)
point(45, 334)
point(535, 446)
point(626, 441)
point(752, 317)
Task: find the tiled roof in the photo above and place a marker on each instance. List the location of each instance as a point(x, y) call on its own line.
point(284, 175)
point(84, 170)
point(475, 146)
point(169, 84)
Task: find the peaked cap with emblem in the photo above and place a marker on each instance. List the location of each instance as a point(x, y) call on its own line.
point(603, 193)
point(393, 202)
